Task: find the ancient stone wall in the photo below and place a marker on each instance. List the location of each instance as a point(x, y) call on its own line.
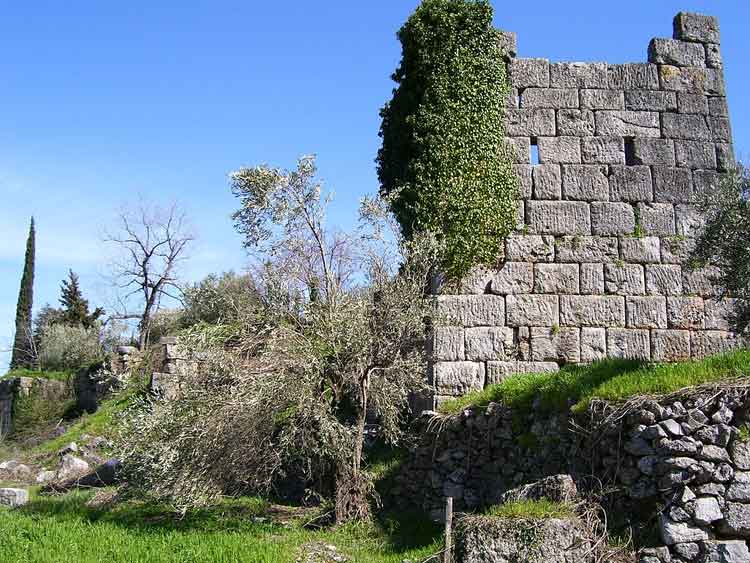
point(597, 265)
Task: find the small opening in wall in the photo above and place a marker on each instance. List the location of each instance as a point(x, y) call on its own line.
point(629, 151)
point(534, 151)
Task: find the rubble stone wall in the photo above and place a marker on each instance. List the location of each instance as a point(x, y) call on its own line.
point(605, 221)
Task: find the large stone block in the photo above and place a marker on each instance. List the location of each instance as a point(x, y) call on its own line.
point(547, 181)
point(640, 250)
point(602, 150)
point(555, 344)
point(692, 103)
point(471, 310)
point(627, 123)
point(701, 281)
point(458, 378)
point(448, 343)
point(575, 122)
point(676, 250)
point(719, 313)
point(532, 310)
point(530, 248)
point(685, 312)
point(630, 183)
point(676, 52)
point(602, 99)
point(488, 343)
point(695, 154)
point(578, 75)
point(705, 181)
point(685, 126)
point(12, 497)
point(559, 217)
point(512, 277)
point(672, 185)
point(692, 79)
point(556, 278)
point(709, 342)
point(587, 182)
point(656, 218)
point(525, 182)
point(670, 345)
point(530, 122)
point(612, 218)
point(592, 279)
point(713, 56)
point(498, 371)
point(549, 98)
point(630, 343)
point(593, 344)
point(624, 279)
point(646, 312)
point(561, 150)
point(650, 100)
point(586, 249)
point(529, 73)
point(663, 279)
point(659, 152)
point(696, 27)
point(633, 76)
point(720, 129)
point(518, 149)
point(689, 221)
point(508, 42)
point(717, 106)
point(725, 160)
point(592, 310)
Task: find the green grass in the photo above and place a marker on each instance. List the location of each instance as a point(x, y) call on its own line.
point(37, 374)
point(611, 380)
point(65, 530)
point(531, 510)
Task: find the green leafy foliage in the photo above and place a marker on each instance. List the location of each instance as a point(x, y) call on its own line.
point(442, 163)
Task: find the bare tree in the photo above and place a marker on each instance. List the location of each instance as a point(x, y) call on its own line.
point(151, 243)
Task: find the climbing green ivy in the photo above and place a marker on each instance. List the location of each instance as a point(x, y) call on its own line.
point(443, 162)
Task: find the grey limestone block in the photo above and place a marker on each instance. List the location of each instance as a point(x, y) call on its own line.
point(13, 497)
point(511, 277)
point(646, 312)
point(602, 99)
point(585, 182)
point(559, 217)
point(530, 122)
point(713, 56)
point(488, 343)
point(717, 106)
point(650, 100)
point(685, 126)
point(578, 75)
point(685, 312)
point(511, 100)
point(603, 150)
point(592, 310)
point(555, 344)
point(529, 73)
point(547, 181)
point(532, 248)
point(532, 310)
point(656, 218)
point(633, 76)
point(471, 310)
point(675, 249)
point(592, 279)
point(640, 250)
point(663, 279)
point(458, 378)
point(696, 27)
point(725, 160)
point(719, 313)
point(556, 98)
point(448, 343)
point(658, 152)
point(630, 183)
point(676, 52)
point(672, 185)
point(508, 41)
point(520, 216)
point(624, 279)
point(701, 281)
point(593, 344)
point(575, 122)
point(692, 103)
point(690, 222)
point(692, 79)
point(709, 342)
point(720, 129)
point(695, 154)
point(612, 218)
point(497, 371)
point(586, 249)
point(562, 150)
point(627, 123)
point(705, 181)
point(518, 149)
point(630, 343)
point(525, 185)
point(670, 345)
point(556, 278)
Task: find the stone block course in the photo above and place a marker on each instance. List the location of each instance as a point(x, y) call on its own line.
point(633, 76)
point(628, 343)
point(532, 310)
point(512, 277)
point(602, 99)
point(458, 378)
point(695, 154)
point(525, 183)
point(624, 279)
point(612, 218)
point(547, 180)
point(592, 279)
point(696, 27)
point(663, 279)
point(593, 344)
point(630, 183)
point(672, 185)
point(530, 122)
point(654, 151)
point(670, 345)
point(559, 218)
point(586, 182)
point(642, 250)
point(448, 343)
point(602, 150)
point(471, 310)
point(529, 73)
point(578, 75)
point(676, 52)
point(562, 150)
point(685, 312)
point(685, 126)
point(497, 371)
point(646, 312)
point(488, 343)
point(518, 149)
point(549, 98)
point(656, 218)
point(650, 100)
point(556, 278)
point(692, 103)
point(592, 310)
point(586, 249)
point(532, 248)
point(575, 122)
point(555, 344)
point(628, 124)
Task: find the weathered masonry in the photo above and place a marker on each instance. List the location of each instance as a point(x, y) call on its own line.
point(606, 219)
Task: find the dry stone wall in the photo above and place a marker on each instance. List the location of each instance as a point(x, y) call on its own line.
point(596, 267)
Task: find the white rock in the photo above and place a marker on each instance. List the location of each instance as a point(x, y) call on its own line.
point(13, 497)
point(70, 467)
point(679, 532)
point(707, 510)
point(45, 477)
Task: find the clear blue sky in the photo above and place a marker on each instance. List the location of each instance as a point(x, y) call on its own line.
point(101, 101)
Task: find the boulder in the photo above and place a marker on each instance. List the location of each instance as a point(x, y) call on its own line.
point(734, 551)
point(557, 488)
point(71, 467)
point(13, 497)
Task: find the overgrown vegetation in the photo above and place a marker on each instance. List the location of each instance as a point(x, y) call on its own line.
point(611, 380)
point(531, 510)
point(443, 162)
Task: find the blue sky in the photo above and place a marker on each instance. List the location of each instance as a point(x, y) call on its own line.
point(102, 101)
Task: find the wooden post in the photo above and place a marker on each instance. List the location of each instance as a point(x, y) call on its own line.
point(448, 554)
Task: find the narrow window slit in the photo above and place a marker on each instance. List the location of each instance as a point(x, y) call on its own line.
point(534, 151)
point(630, 151)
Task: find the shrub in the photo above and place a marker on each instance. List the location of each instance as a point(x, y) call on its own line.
point(443, 160)
point(65, 347)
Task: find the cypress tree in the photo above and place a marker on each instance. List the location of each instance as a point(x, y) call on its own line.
point(23, 352)
point(75, 307)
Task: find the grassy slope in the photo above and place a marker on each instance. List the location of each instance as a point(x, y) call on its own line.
point(612, 380)
point(56, 375)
